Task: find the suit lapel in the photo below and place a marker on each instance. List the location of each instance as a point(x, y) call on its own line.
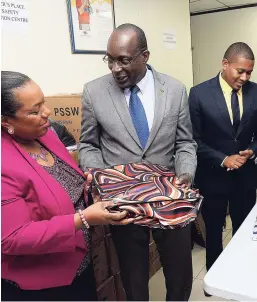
point(58, 149)
point(121, 107)
point(221, 103)
point(159, 106)
point(52, 146)
point(247, 101)
point(50, 182)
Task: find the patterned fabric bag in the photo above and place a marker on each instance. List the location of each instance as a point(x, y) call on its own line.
point(148, 193)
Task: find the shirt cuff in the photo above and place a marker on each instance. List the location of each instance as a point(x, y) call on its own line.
point(222, 164)
point(253, 156)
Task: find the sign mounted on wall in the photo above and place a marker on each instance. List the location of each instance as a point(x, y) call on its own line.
point(91, 23)
point(14, 15)
point(169, 39)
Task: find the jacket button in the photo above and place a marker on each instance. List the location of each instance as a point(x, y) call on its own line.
point(143, 157)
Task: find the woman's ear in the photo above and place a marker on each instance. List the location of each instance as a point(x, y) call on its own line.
point(5, 123)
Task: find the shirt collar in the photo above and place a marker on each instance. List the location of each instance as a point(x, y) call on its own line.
point(225, 86)
point(142, 84)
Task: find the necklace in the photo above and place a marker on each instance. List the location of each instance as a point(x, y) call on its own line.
point(42, 155)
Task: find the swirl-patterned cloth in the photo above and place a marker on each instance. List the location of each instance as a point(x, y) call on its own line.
point(149, 193)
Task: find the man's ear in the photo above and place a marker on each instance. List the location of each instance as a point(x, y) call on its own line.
point(225, 64)
point(146, 55)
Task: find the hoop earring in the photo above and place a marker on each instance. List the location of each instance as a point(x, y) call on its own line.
point(10, 131)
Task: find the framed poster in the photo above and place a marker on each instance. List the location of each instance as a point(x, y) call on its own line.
point(91, 22)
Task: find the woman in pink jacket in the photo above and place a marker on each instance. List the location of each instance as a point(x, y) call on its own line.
point(45, 216)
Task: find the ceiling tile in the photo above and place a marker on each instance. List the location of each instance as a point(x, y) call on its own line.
point(238, 2)
point(203, 5)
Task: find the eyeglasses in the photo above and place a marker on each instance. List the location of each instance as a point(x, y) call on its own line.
point(124, 62)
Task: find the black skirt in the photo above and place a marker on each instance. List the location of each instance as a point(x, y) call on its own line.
point(83, 288)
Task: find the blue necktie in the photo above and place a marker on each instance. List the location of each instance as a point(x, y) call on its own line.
point(138, 116)
point(235, 110)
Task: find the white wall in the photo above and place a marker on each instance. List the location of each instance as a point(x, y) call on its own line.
point(213, 33)
point(44, 52)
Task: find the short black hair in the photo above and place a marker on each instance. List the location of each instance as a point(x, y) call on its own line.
point(11, 80)
point(141, 38)
point(240, 49)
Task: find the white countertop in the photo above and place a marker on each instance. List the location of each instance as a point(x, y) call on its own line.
point(234, 275)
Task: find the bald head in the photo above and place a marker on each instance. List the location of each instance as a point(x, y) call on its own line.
point(141, 38)
point(122, 41)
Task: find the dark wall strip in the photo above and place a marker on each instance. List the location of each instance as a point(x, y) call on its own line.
point(223, 9)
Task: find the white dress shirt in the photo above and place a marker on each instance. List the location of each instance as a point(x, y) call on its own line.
point(146, 95)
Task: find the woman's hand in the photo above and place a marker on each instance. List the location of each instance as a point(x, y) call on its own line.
point(89, 179)
point(95, 195)
point(97, 214)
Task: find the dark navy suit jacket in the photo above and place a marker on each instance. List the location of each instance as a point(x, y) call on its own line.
point(216, 138)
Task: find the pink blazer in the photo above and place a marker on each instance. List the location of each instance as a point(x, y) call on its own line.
point(40, 247)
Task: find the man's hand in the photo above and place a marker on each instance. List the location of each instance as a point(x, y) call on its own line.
point(184, 180)
point(234, 162)
point(246, 154)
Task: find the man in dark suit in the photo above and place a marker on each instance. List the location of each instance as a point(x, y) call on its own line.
point(136, 114)
point(224, 117)
point(62, 132)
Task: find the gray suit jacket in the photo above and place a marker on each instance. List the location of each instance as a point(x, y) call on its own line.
point(108, 136)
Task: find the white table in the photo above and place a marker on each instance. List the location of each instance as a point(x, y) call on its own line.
point(234, 274)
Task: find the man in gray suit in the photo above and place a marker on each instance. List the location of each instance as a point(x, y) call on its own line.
point(136, 114)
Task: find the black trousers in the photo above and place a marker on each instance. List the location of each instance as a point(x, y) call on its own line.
point(214, 211)
point(83, 288)
point(174, 246)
